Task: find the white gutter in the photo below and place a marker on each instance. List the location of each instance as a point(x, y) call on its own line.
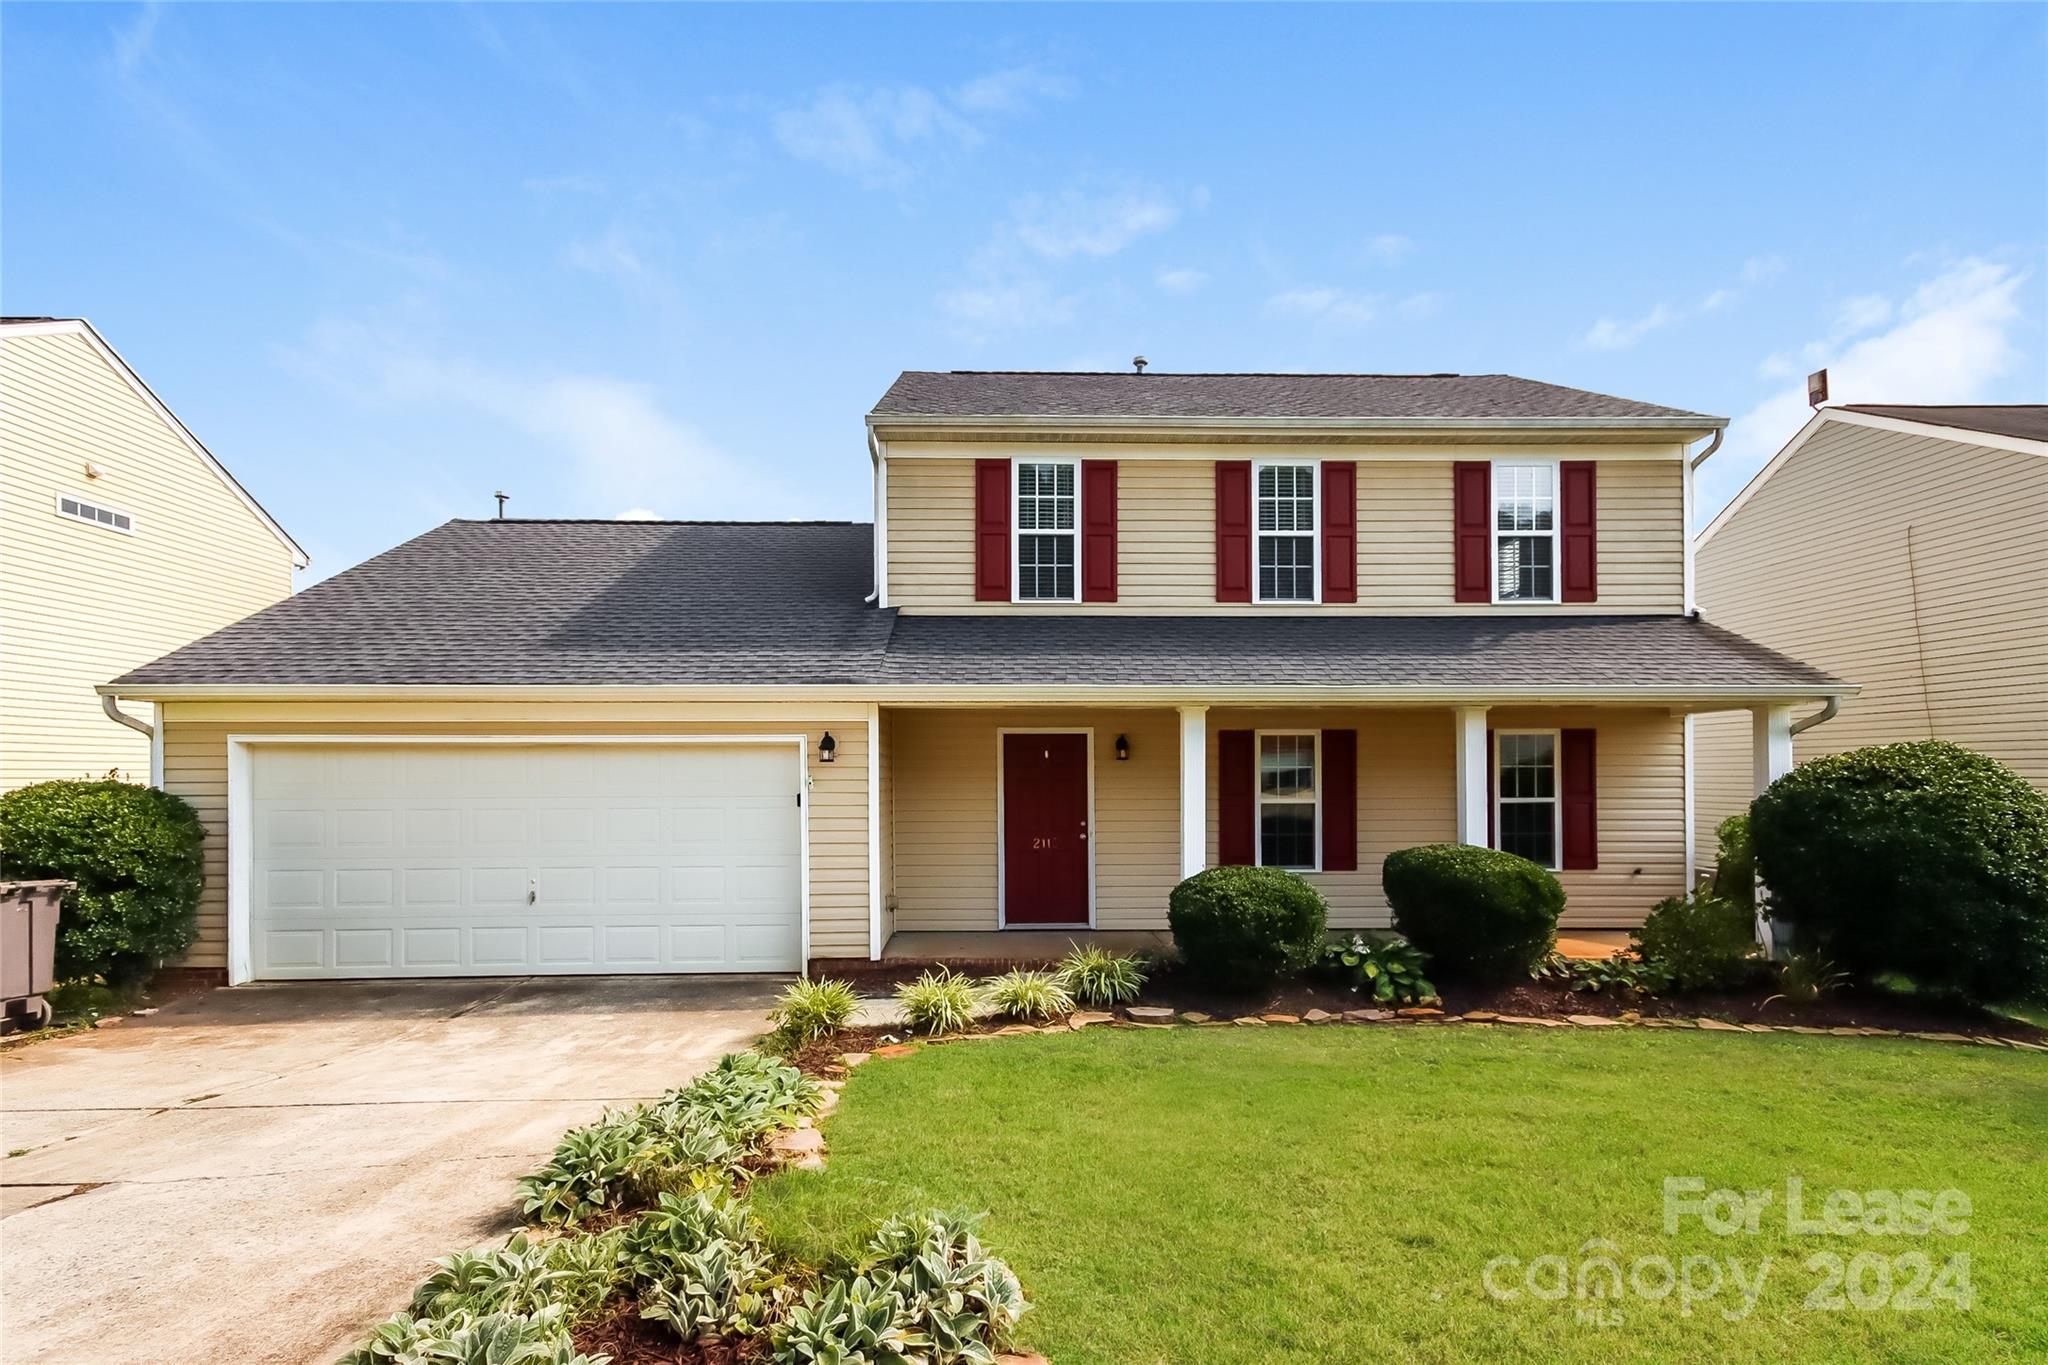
point(1268, 425)
point(109, 704)
point(1712, 446)
point(1821, 717)
point(1149, 694)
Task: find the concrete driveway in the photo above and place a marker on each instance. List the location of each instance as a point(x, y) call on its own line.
point(262, 1173)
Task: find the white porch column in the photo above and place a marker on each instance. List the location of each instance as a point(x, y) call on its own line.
point(1770, 759)
point(1472, 761)
point(1194, 789)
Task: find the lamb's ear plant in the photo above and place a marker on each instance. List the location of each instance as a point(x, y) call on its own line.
point(1028, 995)
point(940, 1001)
point(1099, 978)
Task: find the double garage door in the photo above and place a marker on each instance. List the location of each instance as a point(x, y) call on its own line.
point(500, 859)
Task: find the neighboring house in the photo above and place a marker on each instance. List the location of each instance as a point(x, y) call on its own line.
point(1107, 630)
point(1901, 547)
point(121, 539)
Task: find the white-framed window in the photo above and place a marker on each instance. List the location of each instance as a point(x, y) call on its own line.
point(79, 509)
point(1525, 550)
point(1528, 817)
point(1046, 530)
point(1286, 557)
point(1290, 799)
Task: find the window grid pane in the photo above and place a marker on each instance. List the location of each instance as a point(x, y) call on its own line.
point(1526, 781)
point(1046, 513)
point(1287, 801)
point(1045, 568)
point(1524, 518)
point(1287, 533)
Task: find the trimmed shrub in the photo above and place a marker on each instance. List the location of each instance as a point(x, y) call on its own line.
point(1735, 863)
point(1924, 859)
point(134, 852)
point(1241, 928)
point(1701, 941)
point(1487, 914)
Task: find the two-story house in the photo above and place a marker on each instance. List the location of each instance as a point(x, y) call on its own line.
point(1105, 630)
point(121, 538)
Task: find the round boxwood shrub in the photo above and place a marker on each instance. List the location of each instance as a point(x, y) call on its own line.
point(1735, 863)
point(1240, 928)
point(1924, 859)
point(1486, 914)
point(135, 854)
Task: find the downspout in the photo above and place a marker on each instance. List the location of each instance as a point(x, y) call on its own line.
point(114, 712)
point(875, 458)
point(1821, 717)
point(1712, 446)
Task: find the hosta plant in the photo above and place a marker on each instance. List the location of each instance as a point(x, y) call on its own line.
point(1100, 978)
point(1623, 974)
point(813, 1009)
point(1028, 995)
point(1387, 971)
point(939, 1002)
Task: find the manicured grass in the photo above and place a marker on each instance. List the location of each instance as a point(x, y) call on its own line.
point(1333, 1194)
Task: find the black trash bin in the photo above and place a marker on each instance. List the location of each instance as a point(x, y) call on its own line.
point(28, 949)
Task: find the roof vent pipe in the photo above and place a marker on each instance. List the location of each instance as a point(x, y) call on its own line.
point(1139, 363)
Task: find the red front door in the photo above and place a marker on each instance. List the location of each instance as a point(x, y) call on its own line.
point(1045, 829)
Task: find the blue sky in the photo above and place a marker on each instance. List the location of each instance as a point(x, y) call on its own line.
point(385, 259)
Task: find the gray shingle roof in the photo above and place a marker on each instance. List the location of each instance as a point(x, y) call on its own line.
point(609, 603)
point(1418, 397)
point(2028, 421)
point(1335, 651)
point(564, 603)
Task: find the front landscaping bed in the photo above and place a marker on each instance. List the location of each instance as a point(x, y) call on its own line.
point(1305, 1195)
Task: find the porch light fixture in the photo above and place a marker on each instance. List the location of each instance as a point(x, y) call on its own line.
point(1123, 748)
point(827, 747)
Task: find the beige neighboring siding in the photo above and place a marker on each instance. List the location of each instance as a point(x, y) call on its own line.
point(945, 833)
point(1166, 538)
point(1947, 641)
point(83, 604)
point(196, 768)
point(944, 763)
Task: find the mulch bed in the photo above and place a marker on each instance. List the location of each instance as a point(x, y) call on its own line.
point(630, 1339)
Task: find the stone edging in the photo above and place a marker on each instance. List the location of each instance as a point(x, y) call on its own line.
point(1157, 1016)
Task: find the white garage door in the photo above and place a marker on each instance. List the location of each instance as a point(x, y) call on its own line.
point(491, 860)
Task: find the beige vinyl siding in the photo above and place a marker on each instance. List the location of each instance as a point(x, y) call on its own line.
point(196, 768)
point(1166, 538)
point(1947, 641)
point(84, 603)
point(944, 765)
point(945, 831)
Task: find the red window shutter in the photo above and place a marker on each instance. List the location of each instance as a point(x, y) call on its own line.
point(1492, 779)
point(1581, 557)
point(1472, 522)
point(1340, 531)
point(1340, 800)
point(1098, 530)
point(992, 530)
point(1234, 531)
point(1236, 808)
point(1580, 783)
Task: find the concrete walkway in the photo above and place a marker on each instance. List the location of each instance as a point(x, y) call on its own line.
point(260, 1174)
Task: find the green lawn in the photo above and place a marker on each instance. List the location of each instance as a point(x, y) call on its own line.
point(1335, 1194)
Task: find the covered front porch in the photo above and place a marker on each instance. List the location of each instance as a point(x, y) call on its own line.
point(1005, 833)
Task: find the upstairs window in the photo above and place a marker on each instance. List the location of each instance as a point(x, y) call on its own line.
point(79, 509)
point(1527, 815)
point(1524, 532)
point(1287, 800)
point(1286, 520)
point(1048, 517)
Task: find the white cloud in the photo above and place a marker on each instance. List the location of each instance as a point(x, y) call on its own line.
point(1389, 248)
point(624, 448)
point(546, 185)
point(1078, 223)
point(1324, 305)
point(1615, 334)
point(1008, 303)
point(610, 255)
point(1951, 341)
point(1180, 279)
point(1757, 269)
point(638, 514)
point(1012, 91)
point(864, 132)
point(135, 42)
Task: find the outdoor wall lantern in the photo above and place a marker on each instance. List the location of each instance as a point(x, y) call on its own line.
point(827, 747)
point(1123, 748)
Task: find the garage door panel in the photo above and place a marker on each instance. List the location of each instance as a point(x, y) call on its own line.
point(436, 860)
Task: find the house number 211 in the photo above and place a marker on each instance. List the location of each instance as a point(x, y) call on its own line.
point(1043, 841)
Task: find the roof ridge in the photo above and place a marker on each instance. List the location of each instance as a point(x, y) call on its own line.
point(648, 521)
point(1229, 374)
